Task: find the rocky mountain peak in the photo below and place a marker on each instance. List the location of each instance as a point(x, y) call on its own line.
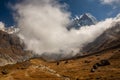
point(83, 20)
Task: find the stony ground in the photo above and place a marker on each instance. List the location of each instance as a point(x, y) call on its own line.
point(77, 69)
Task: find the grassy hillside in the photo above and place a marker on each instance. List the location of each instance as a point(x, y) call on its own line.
point(76, 69)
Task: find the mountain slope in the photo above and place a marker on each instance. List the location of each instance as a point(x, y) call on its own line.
point(109, 39)
point(108, 46)
point(74, 69)
point(11, 49)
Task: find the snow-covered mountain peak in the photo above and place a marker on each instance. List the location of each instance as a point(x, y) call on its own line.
point(12, 30)
point(83, 20)
point(118, 16)
point(89, 16)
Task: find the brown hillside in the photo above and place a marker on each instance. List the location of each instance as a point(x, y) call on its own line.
point(11, 49)
point(77, 69)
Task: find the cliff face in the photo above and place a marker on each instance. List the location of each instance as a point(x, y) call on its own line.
point(11, 49)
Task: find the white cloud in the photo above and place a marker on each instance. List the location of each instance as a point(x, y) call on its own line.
point(110, 2)
point(43, 29)
point(2, 26)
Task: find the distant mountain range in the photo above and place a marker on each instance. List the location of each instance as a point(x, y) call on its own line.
point(83, 20)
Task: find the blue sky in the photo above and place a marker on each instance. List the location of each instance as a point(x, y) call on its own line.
point(101, 9)
point(95, 7)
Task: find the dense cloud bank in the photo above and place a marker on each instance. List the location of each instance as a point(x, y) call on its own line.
point(43, 25)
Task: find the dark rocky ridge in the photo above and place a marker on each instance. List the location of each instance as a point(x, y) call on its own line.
point(12, 49)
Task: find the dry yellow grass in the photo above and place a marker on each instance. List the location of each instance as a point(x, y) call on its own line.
point(77, 69)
